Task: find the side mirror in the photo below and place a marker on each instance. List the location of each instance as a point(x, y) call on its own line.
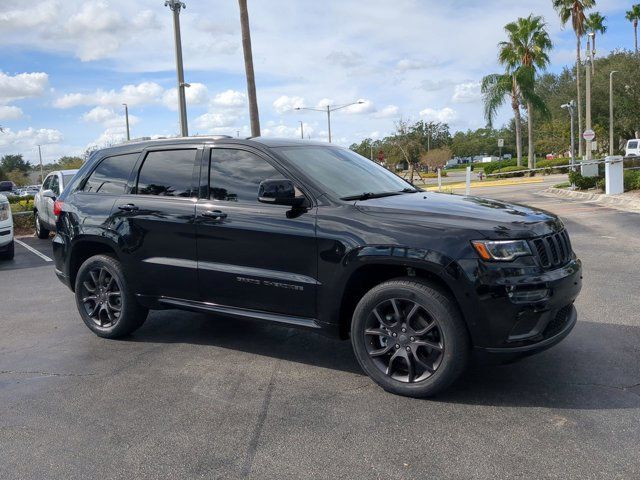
point(49, 194)
point(280, 192)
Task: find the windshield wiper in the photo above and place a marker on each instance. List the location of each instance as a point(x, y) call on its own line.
point(410, 190)
point(368, 195)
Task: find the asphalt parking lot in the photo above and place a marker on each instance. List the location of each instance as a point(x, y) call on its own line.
point(191, 396)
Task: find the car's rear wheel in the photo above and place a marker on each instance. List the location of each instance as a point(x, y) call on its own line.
point(409, 337)
point(104, 301)
point(9, 253)
point(41, 232)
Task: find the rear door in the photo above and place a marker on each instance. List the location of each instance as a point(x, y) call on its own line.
point(55, 187)
point(250, 254)
point(155, 223)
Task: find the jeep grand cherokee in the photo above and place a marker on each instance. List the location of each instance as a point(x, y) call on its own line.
point(312, 235)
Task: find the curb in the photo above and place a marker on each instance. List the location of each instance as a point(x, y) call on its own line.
point(618, 201)
point(483, 184)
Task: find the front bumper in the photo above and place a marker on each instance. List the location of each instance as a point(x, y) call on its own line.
point(6, 234)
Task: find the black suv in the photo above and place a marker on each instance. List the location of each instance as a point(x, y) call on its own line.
point(313, 235)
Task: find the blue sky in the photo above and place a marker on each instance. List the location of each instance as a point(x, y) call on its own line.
point(67, 66)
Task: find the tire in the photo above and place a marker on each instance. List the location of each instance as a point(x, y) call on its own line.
point(41, 232)
point(425, 357)
point(9, 253)
point(101, 289)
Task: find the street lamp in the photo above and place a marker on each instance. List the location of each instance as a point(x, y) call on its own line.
point(301, 130)
point(126, 116)
point(330, 109)
point(175, 7)
point(611, 111)
point(571, 107)
point(588, 99)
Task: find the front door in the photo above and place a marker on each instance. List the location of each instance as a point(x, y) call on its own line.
point(252, 255)
point(155, 224)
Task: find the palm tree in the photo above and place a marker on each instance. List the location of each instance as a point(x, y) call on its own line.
point(574, 10)
point(248, 65)
point(633, 15)
point(595, 24)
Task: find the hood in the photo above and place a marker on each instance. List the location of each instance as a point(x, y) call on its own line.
point(491, 218)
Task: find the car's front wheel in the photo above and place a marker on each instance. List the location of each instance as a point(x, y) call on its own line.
point(106, 304)
point(41, 231)
point(408, 336)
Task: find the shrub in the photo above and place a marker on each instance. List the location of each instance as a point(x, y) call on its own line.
point(582, 183)
point(511, 171)
point(631, 180)
point(491, 167)
point(549, 165)
point(433, 174)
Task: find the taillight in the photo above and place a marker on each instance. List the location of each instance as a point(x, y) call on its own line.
point(57, 207)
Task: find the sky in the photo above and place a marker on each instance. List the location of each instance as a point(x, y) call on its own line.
point(67, 66)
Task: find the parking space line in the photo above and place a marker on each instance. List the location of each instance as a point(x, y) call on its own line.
point(33, 250)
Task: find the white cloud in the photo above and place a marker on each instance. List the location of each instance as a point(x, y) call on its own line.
point(22, 85)
point(230, 99)
point(211, 120)
point(466, 92)
point(409, 64)
point(142, 94)
point(10, 113)
point(273, 129)
point(324, 102)
point(445, 115)
point(196, 94)
point(285, 103)
point(366, 106)
point(108, 118)
point(25, 141)
point(390, 111)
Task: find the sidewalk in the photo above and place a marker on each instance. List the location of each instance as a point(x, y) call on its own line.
point(628, 201)
point(484, 183)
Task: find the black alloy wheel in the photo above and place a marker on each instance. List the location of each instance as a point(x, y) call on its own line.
point(102, 297)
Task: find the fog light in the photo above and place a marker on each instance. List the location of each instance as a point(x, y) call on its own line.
point(526, 296)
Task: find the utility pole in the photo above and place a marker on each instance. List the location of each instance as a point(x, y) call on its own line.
point(571, 107)
point(611, 111)
point(126, 116)
point(329, 109)
point(41, 168)
point(248, 66)
point(301, 130)
point(588, 99)
point(175, 6)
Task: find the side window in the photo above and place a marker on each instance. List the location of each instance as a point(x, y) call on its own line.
point(234, 175)
point(633, 145)
point(47, 183)
point(168, 173)
point(55, 185)
point(111, 175)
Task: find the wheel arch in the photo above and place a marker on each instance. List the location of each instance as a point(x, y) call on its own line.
point(84, 249)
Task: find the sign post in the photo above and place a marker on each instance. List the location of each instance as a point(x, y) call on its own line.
point(500, 145)
point(590, 170)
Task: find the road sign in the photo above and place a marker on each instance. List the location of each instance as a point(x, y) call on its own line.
point(589, 135)
point(501, 142)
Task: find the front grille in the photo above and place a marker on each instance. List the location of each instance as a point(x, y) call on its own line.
point(552, 250)
point(558, 322)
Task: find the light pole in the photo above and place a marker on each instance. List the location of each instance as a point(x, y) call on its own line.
point(175, 6)
point(301, 130)
point(611, 111)
point(571, 107)
point(588, 99)
point(126, 116)
point(41, 168)
point(330, 109)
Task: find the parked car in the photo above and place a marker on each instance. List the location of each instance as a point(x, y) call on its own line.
point(315, 236)
point(6, 230)
point(44, 200)
point(632, 149)
point(7, 187)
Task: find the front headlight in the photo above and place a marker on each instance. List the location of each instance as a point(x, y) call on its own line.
point(501, 250)
point(5, 211)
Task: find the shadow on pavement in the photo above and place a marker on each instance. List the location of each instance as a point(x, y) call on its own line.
point(595, 368)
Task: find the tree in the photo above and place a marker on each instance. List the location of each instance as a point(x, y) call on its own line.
point(19, 177)
point(525, 51)
point(14, 162)
point(436, 158)
point(69, 163)
point(405, 142)
point(574, 10)
point(633, 15)
point(248, 65)
point(595, 25)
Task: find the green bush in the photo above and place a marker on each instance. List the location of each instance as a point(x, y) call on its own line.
point(631, 180)
point(549, 165)
point(511, 171)
point(433, 174)
point(582, 183)
point(15, 199)
point(491, 167)
point(23, 223)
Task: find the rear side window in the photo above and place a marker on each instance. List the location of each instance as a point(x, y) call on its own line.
point(47, 183)
point(111, 175)
point(55, 185)
point(168, 173)
point(632, 145)
point(235, 175)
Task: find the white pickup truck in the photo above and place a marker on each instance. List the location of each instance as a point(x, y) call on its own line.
point(54, 183)
point(6, 229)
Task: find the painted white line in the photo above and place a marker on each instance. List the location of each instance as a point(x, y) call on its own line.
point(33, 250)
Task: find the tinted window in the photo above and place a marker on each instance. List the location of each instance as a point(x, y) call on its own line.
point(633, 145)
point(6, 186)
point(47, 183)
point(168, 173)
point(111, 175)
point(55, 185)
point(235, 175)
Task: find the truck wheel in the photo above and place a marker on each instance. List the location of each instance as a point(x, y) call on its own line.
point(106, 304)
point(409, 337)
point(41, 232)
point(9, 253)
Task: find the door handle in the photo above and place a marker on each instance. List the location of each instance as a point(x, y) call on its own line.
point(215, 214)
point(128, 207)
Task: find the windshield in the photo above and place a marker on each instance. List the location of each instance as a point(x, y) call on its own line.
point(343, 172)
point(66, 179)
